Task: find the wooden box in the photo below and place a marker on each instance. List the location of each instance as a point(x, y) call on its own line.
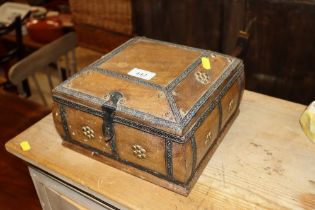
point(150, 108)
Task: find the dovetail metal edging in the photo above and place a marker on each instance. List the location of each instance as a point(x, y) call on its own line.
point(169, 158)
point(64, 121)
point(194, 156)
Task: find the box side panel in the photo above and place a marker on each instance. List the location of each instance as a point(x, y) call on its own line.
point(207, 133)
point(183, 160)
point(230, 101)
point(166, 60)
point(140, 148)
point(56, 113)
point(211, 127)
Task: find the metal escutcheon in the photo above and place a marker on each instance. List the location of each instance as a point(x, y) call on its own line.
point(108, 109)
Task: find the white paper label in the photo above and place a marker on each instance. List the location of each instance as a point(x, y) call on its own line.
point(140, 73)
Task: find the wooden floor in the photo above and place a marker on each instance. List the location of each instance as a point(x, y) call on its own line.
point(16, 187)
point(15, 183)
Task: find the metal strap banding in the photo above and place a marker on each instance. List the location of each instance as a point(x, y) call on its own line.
point(169, 158)
point(63, 116)
point(173, 106)
point(194, 157)
point(184, 74)
point(220, 115)
point(240, 89)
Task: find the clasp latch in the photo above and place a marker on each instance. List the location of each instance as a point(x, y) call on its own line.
point(108, 111)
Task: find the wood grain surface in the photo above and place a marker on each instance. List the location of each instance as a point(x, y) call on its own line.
point(280, 57)
point(264, 162)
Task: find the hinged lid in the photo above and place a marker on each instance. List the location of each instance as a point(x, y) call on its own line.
point(163, 85)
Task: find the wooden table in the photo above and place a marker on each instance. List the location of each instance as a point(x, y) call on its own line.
point(264, 162)
point(66, 21)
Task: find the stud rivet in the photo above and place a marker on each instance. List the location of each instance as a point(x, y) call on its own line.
point(88, 132)
point(202, 77)
point(139, 151)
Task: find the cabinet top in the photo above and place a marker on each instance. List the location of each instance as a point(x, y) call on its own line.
point(265, 161)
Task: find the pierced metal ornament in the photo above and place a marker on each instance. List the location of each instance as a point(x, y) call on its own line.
point(88, 132)
point(139, 151)
point(202, 77)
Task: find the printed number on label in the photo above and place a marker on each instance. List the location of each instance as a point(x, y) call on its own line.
point(140, 73)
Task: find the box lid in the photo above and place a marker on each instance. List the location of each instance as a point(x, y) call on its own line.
point(160, 86)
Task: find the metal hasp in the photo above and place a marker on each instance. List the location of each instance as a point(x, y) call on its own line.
point(108, 112)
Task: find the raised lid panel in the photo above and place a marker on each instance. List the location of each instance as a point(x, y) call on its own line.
point(166, 60)
point(136, 96)
point(190, 89)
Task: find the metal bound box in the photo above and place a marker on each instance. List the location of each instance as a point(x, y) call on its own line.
point(152, 109)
